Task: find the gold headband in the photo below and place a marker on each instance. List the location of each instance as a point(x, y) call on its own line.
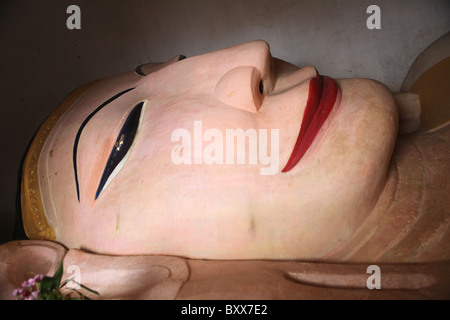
point(33, 214)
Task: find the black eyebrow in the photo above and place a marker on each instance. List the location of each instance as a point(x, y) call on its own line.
point(141, 72)
point(80, 130)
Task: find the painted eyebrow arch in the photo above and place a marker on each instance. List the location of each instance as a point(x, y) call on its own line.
point(141, 72)
point(80, 130)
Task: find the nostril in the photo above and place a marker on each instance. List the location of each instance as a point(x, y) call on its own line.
point(261, 87)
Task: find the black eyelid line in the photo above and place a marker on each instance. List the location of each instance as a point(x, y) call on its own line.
point(80, 130)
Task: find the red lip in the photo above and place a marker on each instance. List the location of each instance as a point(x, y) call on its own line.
point(321, 98)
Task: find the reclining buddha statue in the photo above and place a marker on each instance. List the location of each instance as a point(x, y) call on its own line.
point(235, 163)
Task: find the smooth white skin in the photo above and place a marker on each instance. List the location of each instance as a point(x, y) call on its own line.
point(225, 211)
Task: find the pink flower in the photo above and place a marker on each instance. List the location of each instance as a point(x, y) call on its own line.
point(35, 294)
point(39, 277)
point(17, 292)
point(32, 281)
point(29, 283)
point(27, 291)
point(26, 294)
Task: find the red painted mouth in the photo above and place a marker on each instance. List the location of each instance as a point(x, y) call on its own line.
point(322, 96)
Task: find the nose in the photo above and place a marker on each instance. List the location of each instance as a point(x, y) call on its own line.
point(248, 76)
point(257, 54)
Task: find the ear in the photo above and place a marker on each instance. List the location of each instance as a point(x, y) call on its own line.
point(21, 260)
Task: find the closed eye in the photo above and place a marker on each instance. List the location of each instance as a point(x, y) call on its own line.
point(122, 147)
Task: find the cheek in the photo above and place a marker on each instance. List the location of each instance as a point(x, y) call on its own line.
point(364, 130)
point(369, 135)
point(348, 165)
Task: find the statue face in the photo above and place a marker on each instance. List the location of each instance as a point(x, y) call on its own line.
point(154, 163)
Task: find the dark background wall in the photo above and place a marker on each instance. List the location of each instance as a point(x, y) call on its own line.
point(41, 60)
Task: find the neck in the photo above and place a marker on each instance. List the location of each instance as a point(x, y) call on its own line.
point(410, 220)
